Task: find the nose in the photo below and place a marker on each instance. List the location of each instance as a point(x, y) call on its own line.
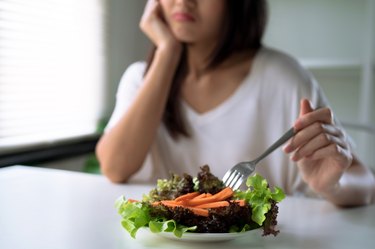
point(186, 3)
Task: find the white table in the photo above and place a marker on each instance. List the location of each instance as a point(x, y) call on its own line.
point(55, 209)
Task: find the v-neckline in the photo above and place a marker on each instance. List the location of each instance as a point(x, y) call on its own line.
point(237, 95)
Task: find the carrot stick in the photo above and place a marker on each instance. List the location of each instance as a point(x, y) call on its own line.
point(220, 196)
point(132, 200)
point(155, 203)
point(187, 196)
point(240, 202)
point(216, 204)
point(196, 202)
point(224, 194)
point(172, 203)
point(204, 195)
point(199, 211)
point(200, 203)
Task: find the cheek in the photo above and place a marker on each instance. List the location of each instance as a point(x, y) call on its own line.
point(165, 2)
point(166, 7)
point(213, 11)
point(213, 17)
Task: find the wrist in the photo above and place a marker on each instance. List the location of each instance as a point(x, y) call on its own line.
point(331, 191)
point(170, 47)
point(169, 51)
point(334, 192)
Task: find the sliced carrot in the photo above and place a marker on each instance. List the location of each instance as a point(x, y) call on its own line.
point(199, 211)
point(204, 195)
point(241, 203)
point(172, 203)
point(196, 202)
point(200, 203)
point(215, 204)
point(220, 196)
point(132, 200)
point(167, 203)
point(155, 203)
point(224, 194)
point(187, 196)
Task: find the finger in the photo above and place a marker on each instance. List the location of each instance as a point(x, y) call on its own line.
point(303, 136)
point(315, 144)
point(305, 107)
point(331, 150)
point(323, 115)
point(151, 7)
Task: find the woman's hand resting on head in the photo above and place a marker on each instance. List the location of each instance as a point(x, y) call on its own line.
point(153, 24)
point(123, 148)
point(320, 149)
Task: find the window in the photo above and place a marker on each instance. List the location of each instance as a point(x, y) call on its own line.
point(52, 71)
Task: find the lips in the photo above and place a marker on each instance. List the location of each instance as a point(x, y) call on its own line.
point(183, 17)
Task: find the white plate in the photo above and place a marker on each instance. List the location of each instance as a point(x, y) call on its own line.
point(207, 237)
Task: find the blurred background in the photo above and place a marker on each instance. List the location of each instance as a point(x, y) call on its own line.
point(61, 62)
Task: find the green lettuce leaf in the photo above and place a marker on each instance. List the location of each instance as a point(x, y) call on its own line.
point(169, 226)
point(137, 214)
point(134, 215)
point(259, 196)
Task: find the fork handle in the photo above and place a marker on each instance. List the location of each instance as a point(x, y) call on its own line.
point(290, 133)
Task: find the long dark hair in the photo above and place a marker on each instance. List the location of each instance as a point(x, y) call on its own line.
point(243, 30)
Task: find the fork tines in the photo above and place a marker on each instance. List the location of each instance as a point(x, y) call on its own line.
point(233, 179)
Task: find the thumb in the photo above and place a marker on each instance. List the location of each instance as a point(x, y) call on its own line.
point(305, 106)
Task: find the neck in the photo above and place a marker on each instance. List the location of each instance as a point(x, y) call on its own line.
point(198, 56)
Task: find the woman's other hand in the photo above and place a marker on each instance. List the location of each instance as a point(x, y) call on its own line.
point(155, 27)
point(320, 149)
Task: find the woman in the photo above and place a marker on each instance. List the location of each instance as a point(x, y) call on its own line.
point(212, 94)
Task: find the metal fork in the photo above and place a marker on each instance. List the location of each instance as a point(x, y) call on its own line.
point(238, 173)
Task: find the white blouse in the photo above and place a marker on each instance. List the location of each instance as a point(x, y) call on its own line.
point(262, 108)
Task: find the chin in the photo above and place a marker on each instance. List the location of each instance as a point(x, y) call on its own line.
point(186, 37)
point(187, 41)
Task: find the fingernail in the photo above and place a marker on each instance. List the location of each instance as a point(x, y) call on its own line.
point(297, 124)
point(294, 157)
point(287, 148)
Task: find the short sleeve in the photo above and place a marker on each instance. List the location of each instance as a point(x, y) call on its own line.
point(126, 92)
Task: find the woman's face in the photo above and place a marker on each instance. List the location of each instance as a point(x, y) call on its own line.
point(193, 21)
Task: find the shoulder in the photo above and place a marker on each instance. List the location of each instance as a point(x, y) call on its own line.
point(282, 65)
point(138, 66)
point(132, 77)
point(282, 70)
point(135, 71)
point(282, 75)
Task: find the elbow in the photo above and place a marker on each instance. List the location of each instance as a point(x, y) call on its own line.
point(112, 176)
point(114, 171)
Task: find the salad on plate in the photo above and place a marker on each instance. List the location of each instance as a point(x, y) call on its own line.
point(201, 205)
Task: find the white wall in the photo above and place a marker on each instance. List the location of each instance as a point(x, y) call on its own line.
point(126, 43)
point(317, 29)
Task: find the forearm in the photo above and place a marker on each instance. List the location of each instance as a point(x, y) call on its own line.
point(356, 187)
point(122, 150)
